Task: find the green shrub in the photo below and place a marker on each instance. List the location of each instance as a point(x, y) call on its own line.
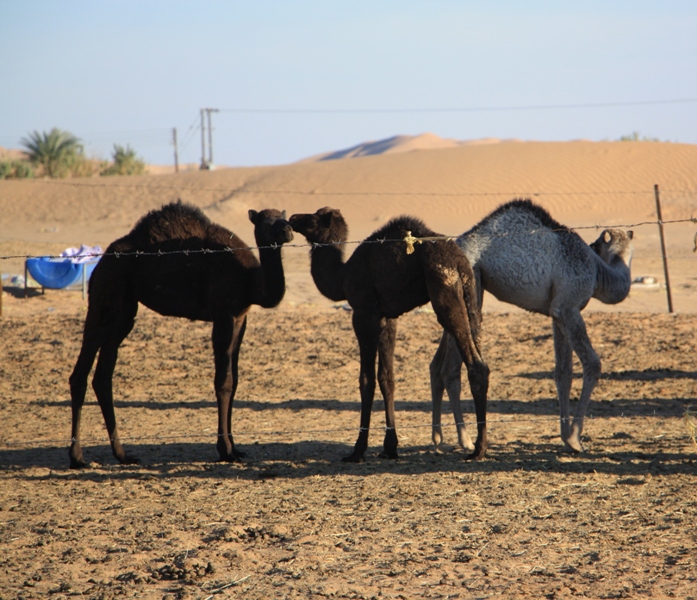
point(5, 169)
point(15, 169)
point(636, 137)
point(126, 162)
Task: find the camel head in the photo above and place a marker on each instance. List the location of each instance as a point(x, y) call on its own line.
point(614, 245)
point(326, 226)
point(271, 227)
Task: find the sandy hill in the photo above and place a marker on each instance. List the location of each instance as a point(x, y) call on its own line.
point(580, 183)
point(11, 154)
point(391, 145)
point(402, 143)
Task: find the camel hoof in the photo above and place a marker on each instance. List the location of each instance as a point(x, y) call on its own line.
point(231, 458)
point(129, 460)
point(569, 449)
point(353, 458)
point(77, 464)
point(476, 456)
point(388, 455)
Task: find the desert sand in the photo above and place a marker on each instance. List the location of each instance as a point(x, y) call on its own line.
point(292, 520)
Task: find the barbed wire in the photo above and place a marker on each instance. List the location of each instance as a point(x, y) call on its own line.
point(305, 432)
point(409, 240)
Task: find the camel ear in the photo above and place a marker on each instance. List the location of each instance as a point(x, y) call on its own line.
point(607, 236)
point(326, 218)
point(283, 215)
point(252, 215)
point(630, 234)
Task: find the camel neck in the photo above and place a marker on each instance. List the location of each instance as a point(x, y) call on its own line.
point(270, 284)
point(327, 269)
point(612, 281)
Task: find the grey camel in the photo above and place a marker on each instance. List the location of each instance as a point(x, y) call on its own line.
point(184, 281)
point(381, 281)
point(522, 256)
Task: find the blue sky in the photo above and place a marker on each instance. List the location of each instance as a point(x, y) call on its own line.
point(129, 71)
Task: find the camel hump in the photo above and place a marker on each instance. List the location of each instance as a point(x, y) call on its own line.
point(519, 211)
point(176, 220)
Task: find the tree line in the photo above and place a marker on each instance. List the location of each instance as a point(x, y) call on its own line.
point(59, 153)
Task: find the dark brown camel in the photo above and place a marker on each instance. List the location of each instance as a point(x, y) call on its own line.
point(185, 281)
point(381, 282)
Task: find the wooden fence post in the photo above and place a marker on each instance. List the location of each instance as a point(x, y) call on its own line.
point(663, 248)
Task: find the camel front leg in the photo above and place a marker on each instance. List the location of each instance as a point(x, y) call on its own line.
point(445, 371)
point(78, 389)
point(386, 342)
point(227, 338)
point(102, 385)
point(591, 373)
point(367, 329)
point(573, 327)
point(562, 378)
point(437, 389)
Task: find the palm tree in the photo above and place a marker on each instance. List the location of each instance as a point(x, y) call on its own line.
point(55, 150)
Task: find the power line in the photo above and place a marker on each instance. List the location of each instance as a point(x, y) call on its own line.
point(461, 108)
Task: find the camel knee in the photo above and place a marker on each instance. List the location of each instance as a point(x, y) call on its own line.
point(478, 372)
point(592, 368)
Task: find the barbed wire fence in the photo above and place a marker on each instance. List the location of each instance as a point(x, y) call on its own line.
point(408, 240)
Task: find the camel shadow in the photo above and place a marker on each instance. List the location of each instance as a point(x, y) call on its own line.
point(300, 460)
point(630, 375)
point(664, 407)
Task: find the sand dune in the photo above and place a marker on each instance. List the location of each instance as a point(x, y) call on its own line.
point(392, 145)
point(403, 143)
point(580, 183)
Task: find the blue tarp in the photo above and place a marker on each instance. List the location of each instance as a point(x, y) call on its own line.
point(58, 273)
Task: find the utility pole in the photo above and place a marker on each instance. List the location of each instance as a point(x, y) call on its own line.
point(207, 164)
point(203, 142)
point(176, 151)
point(210, 137)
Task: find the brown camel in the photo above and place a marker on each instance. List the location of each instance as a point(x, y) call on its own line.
point(184, 281)
point(521, 255)
point(381, 282)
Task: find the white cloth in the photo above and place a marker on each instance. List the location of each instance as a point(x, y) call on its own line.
point(82, 254)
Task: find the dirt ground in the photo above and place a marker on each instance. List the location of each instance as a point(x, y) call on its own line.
point(292, 520)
